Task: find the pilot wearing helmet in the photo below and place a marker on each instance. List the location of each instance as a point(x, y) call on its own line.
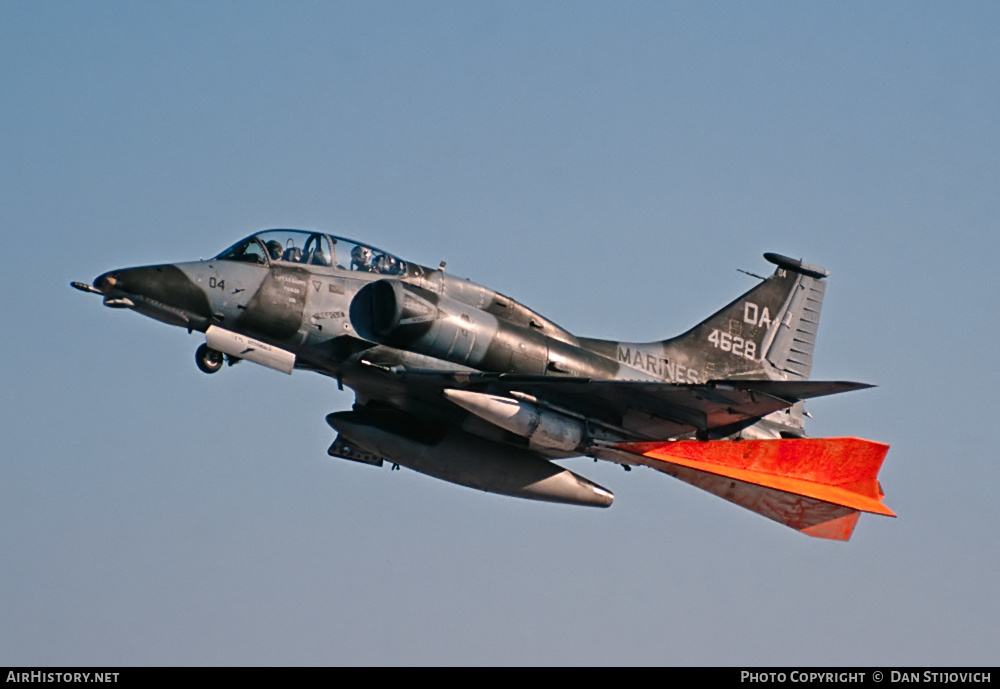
point(275, 250)
point(361, 258)
point(387, 265)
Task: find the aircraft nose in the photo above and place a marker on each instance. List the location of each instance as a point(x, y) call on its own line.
point(106, 282)
point(165, 284)
point(135, 281)
point(138, 281)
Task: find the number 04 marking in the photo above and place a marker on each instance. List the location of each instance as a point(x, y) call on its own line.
point(733, 344)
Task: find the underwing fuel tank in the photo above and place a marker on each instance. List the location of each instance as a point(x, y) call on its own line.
point(467, 460)
point(542, 427)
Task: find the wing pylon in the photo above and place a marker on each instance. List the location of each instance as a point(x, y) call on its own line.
point(818, 486)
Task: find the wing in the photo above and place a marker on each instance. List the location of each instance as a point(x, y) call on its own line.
point(647, 410)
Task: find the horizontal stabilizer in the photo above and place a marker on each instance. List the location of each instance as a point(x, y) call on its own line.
point(793, 389)
point(815, 485)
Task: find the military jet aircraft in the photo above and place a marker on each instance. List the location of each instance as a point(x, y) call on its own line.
point(465, 384)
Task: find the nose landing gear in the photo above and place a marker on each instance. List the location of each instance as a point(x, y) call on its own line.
point(209, 360)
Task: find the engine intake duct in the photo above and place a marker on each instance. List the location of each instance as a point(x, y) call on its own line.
point(404, 316)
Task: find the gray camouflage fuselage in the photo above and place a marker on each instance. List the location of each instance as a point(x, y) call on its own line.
point(383, 327)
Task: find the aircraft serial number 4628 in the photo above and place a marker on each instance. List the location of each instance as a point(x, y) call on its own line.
point(459, 382)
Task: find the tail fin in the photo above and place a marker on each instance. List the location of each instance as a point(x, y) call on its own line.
point(768, 332)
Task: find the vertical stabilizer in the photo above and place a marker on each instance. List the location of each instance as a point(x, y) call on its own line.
point(768, 332)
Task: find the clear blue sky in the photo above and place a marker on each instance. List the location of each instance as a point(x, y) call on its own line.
point(610, 164)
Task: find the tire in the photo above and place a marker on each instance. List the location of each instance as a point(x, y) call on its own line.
point(209, 360)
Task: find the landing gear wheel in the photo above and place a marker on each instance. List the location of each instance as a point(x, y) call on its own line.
point(209, 360)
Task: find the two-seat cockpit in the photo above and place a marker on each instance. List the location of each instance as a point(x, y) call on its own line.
point(312, 248)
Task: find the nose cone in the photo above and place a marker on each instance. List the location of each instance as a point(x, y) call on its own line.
point(105, 283)
point(165, 285)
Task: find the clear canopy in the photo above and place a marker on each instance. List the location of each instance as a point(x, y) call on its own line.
point(313, 248)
